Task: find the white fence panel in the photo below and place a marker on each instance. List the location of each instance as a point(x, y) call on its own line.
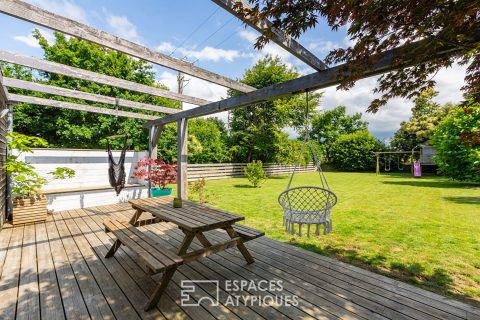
point(91, 166)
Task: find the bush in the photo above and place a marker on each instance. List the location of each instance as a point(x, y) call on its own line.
point(254, 173)
point(457, 144)
point(25, 181)
point(199, 188)
point(354, 151)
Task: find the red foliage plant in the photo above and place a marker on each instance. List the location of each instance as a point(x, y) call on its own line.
point(161, 173)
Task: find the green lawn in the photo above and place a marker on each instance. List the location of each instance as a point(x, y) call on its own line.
point(424, 231)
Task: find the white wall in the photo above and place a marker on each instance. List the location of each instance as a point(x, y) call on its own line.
point(91, 166)
point(91, 170)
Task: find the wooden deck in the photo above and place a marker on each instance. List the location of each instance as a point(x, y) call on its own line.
point(57, 270)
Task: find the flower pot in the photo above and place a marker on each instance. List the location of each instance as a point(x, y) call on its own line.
point(177, 203)
point(29, 209)
point(159, 192)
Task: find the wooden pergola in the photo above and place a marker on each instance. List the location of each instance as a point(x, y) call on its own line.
point(322, 78)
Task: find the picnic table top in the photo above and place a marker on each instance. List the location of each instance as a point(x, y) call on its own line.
point(193, 216)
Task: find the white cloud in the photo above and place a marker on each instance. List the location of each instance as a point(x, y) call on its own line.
point(206, 54)
point(322, 47)
point(165, 47)
point(270, 48)
point(212, 54)
point(123, 27)
point(388, 119)
point(30, 41)
point(196, 88)
point(62, 7)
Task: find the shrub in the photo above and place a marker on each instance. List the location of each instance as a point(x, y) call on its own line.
point(457, 144)
point(354, 151)
point(199, 188)
point(25, 181)
point(255, 173)
point(161, 174)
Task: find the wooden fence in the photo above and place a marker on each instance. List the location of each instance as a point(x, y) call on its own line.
point(235, 170)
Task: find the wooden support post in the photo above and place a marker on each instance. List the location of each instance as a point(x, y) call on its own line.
point(182, 159)
point(411, 163)
point(160, 288)
point(185, 243)
point(241, 247)
point(378, 164)
point(113, 249)
point(9, 152)
point(5, 109)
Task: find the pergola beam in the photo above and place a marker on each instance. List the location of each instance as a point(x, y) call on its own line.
point(27, 12)
point(39, 87)
point(58, 68)
point(279, 37)
point(382, 63)
point(77, 106)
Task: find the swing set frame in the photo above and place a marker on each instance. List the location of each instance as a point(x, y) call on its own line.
point(380, 153)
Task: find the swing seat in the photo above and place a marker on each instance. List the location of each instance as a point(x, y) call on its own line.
point(307, 205)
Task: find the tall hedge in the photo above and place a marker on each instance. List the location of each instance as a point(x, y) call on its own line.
point(354, 151)
point(457, 144)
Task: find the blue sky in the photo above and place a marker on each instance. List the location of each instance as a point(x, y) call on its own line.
point(200, 31)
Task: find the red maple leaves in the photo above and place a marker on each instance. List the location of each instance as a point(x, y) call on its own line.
point(161, 173)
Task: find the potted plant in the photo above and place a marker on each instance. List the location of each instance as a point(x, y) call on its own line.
point(29, 205)
point(161, 174)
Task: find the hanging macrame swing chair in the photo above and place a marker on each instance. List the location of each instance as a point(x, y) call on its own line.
point(116, 169)
point(310, 205)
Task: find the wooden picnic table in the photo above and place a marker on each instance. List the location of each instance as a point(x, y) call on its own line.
point(193, 219)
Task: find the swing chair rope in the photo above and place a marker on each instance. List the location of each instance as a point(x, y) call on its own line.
point(306, 140)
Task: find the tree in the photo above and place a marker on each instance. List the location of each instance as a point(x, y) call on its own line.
point(376, 26)
point(354, 151)
point(77, 129)
point(209, 134)
point(457, 144)
point(328, 125)
point(206, 141)
point(426, 115)
point(256, 131)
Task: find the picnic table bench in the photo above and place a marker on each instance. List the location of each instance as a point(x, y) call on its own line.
point(193, 219)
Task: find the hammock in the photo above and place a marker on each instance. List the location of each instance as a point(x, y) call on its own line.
point(116, 170)
point(310, 205)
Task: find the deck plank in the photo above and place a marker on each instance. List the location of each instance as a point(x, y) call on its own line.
point(115, 298)
point(57, 270)
point(51, 306)
point(96, 303)
point(11, 275)
point(28, 291)
point(5, 236)
point(73, 303)
point(130, 288)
